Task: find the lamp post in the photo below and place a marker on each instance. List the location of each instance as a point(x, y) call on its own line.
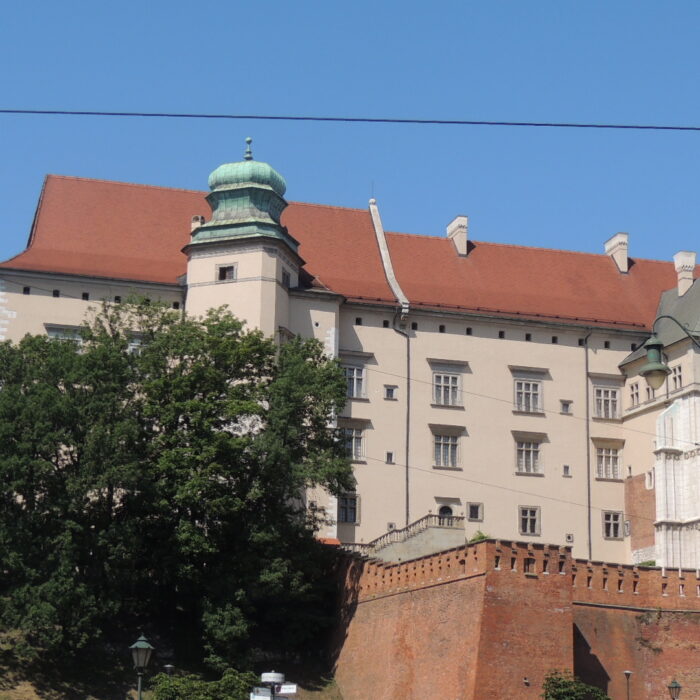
point(655, 370)
point(674, 689)
point(627, 677)
point(141, 652)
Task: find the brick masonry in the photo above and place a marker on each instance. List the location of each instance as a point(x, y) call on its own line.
point(489, 620)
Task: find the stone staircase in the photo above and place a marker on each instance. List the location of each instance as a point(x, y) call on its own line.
point(428, 535)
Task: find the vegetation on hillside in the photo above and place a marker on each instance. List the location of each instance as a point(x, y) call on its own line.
point(151, 476)
point(563, 685)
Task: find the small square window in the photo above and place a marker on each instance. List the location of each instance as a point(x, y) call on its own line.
point(555, 339)
point(468, 331)
point(581, 342)
point(633, 347)
point(358, 320)
point(390, 458)
point(565, 406)
point(475, 512)
point(441, 328)
point(528, 337)
point(501, 334)
point(226, 273)
point(86, 296)
point(117, 300)
point(390, 392)
point(26, 290)
point(566, 470)
point(57, 293)
point(385, 323)
point(606, 344)
point(414, 326)
point(176, 305)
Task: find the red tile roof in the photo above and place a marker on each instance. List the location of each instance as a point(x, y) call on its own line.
point(136, 232)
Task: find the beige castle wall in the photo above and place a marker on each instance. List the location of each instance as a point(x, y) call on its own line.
point(30, 313)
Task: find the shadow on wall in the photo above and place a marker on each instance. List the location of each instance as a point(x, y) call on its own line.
point(586, 664)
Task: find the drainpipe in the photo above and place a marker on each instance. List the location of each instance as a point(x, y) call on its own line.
point(400, 316)
point(588, 447)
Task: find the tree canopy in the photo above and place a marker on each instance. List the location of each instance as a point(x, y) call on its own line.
point(563, 685)
point(152, 476)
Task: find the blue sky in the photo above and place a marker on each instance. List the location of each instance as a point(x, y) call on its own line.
point(549, 60)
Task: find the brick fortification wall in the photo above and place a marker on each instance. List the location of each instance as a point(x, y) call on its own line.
point(489, 620)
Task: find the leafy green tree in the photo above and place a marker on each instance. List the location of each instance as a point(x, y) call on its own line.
point(232, 686)
point(563, 685)
point(151, 480)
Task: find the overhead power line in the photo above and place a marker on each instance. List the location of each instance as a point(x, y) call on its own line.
point(348, 120)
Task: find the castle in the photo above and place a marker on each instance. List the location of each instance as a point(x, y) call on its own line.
point(501, 388)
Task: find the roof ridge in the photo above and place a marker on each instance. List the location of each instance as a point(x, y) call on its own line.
point(329, 206)
point(124, 184)
point(525, 247)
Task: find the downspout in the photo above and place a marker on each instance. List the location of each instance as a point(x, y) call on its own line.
point(588, 449)
point(399, 317)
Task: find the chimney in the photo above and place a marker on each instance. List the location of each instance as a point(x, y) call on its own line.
point(685, 267)
point(197, 221)
point(616, 248)
point(457, 230)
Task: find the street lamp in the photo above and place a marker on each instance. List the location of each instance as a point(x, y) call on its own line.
point(655, 370)
point(141, 652)
point(674, 689)
point(627, 677)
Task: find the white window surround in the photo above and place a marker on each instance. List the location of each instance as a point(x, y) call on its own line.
point(447, 389)
point(606, 402)
point(529, 520)
point(390, 392)
point(356, 382)
point(612, 525)
point(57, 332)
point(528, 388)
point(527, 457)
point(354, 440)
point(634, 394)
point(607, 463)
point(675, 379)
point(475, 512)
point(446, 451)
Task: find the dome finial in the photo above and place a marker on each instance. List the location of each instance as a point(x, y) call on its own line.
point(248, 151)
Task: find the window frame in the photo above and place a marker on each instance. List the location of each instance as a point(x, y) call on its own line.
point(676, 377)
point(608, 459)
point(446, 451)
point(533, 516)
point(345, 509)
point(606, 402)
point(356, 386)
point(353, 441)
point(220, 269)
point(480, 512)
point(529, 449)
point(634, 394)
point(613, 523)
point(521, 404)
point(447, 393)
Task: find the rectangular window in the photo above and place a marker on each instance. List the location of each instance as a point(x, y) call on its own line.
point(286, 279)
point(446, 389)
point(85, 296)
point(528, 457)
point(606, 403)
point(565, 406)
point(528, 396)
point(226, 273)
point(475, 512)
point(529, 520)
point(57, 292)
point(634, 394)
point(651, 394)
point(612, 525)
point(64, 333)
point(445, 450)
point(608, 463)
point(676, 378)
point(354, 443)
point(390, 392)
point(355, 377)
point(26, 290)
point(347, 509)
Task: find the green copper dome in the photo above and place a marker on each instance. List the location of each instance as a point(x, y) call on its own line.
point(246, 201)
point(247, 171)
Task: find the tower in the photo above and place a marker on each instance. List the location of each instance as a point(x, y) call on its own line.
point(243, 257)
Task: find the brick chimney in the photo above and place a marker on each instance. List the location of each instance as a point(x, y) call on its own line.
point(617, 248)
point(197, 221)
point(457, 230)
point(684, 262)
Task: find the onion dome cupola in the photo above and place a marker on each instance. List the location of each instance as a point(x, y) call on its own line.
point(246, 200)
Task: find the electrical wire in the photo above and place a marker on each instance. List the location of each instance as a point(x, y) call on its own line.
point(349, 120)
